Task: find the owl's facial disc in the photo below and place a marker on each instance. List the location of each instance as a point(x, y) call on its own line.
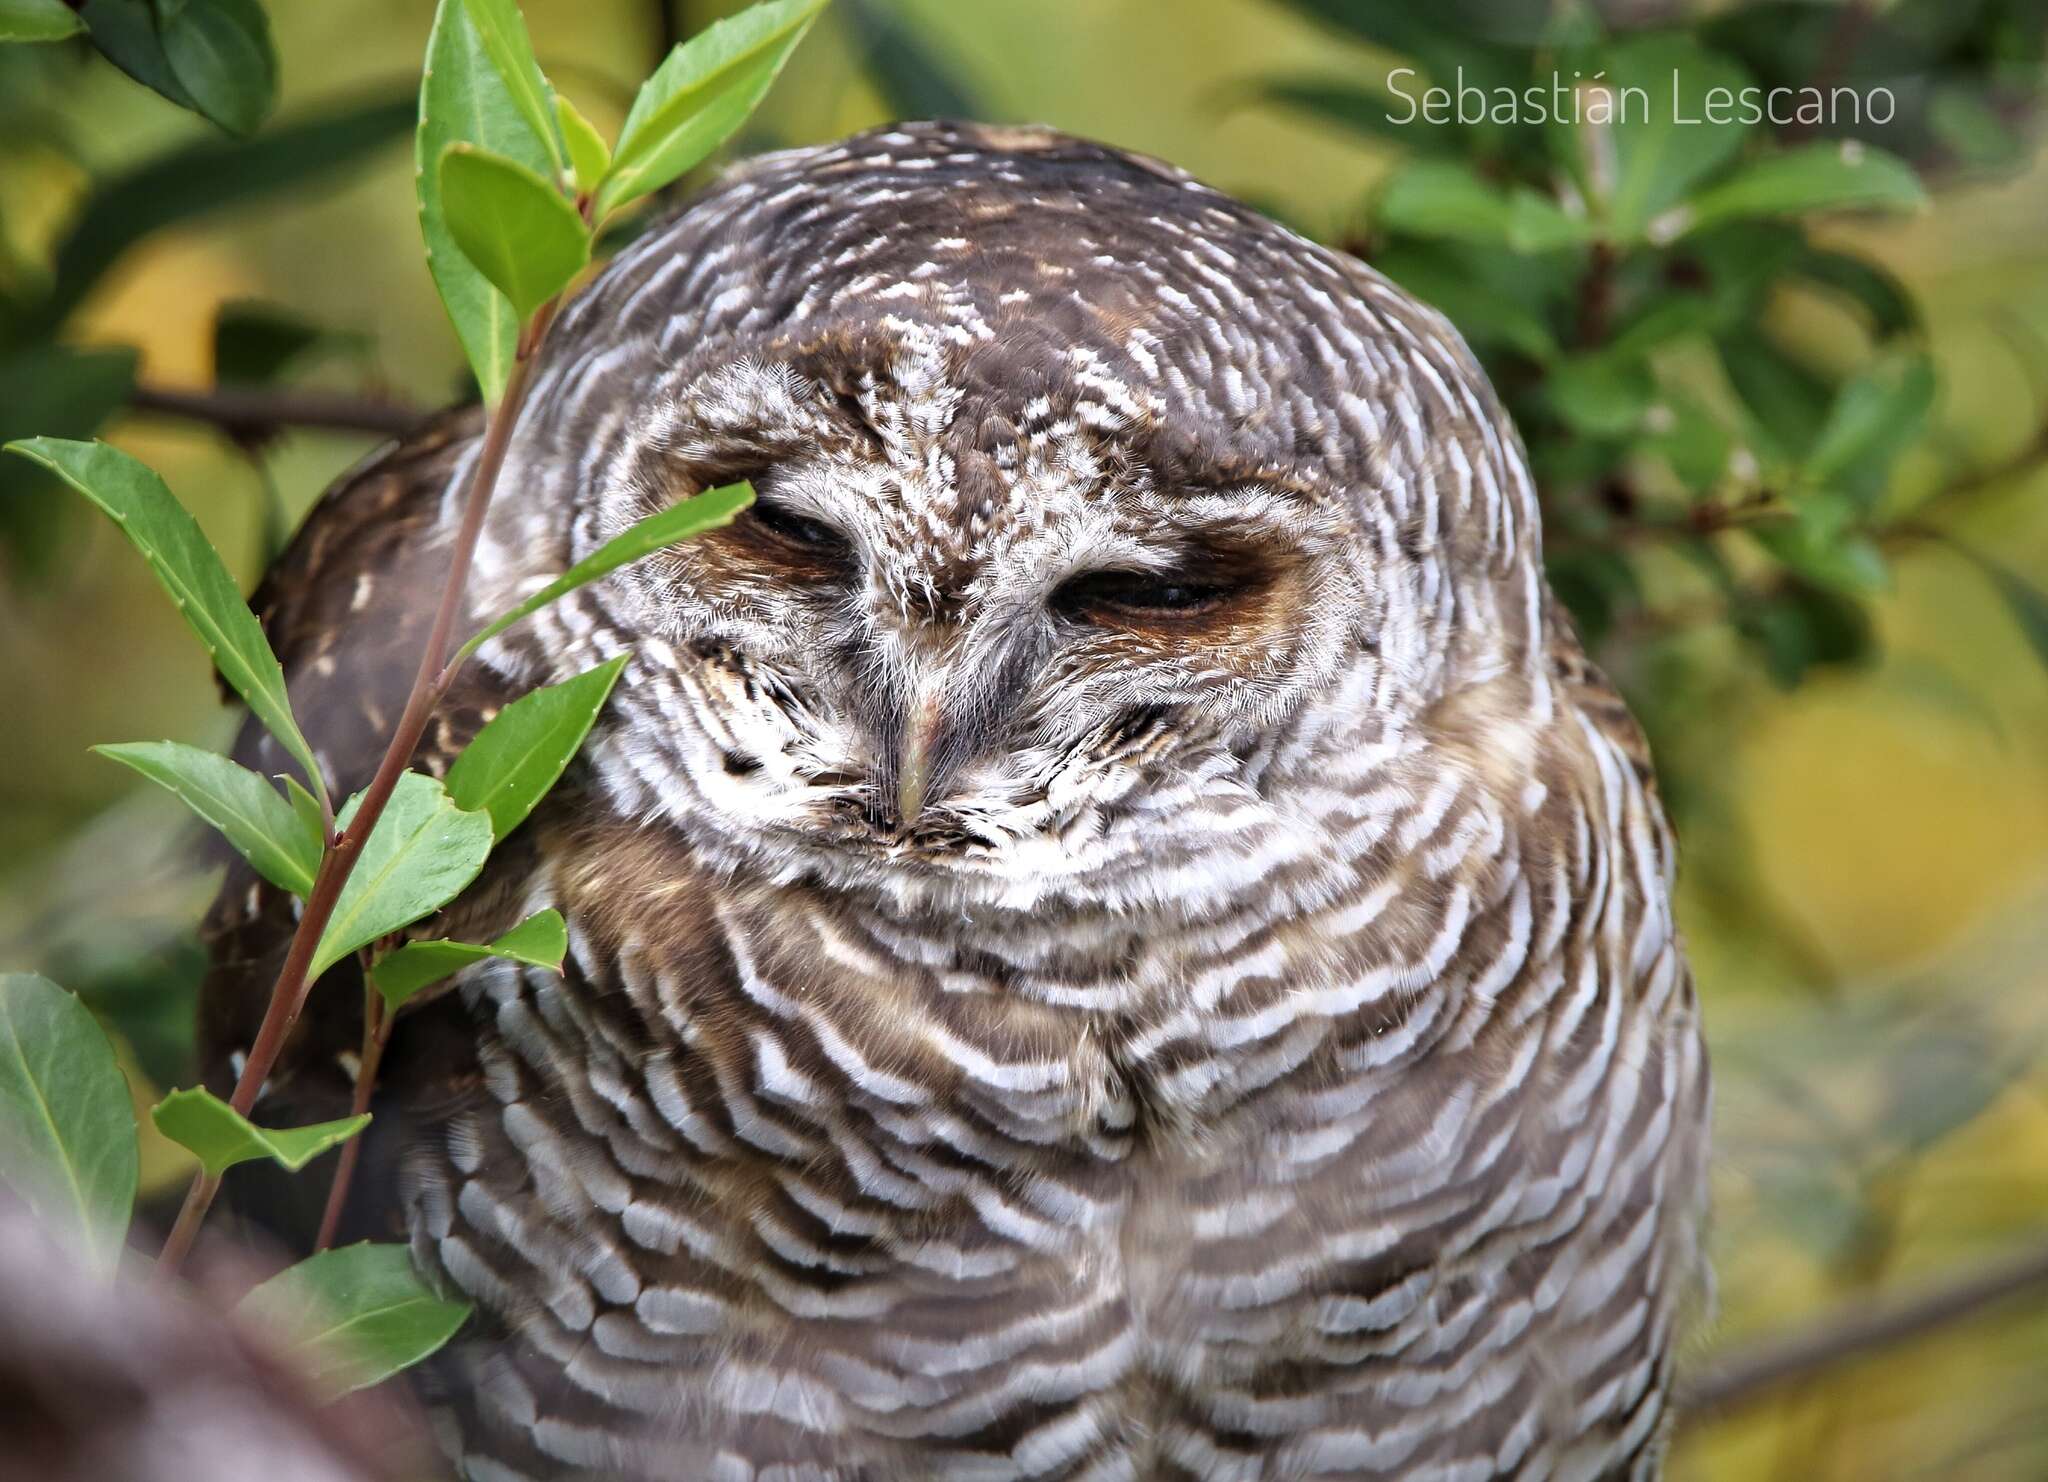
point(930, 671)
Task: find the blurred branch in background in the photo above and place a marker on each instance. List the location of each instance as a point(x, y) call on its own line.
point(1756, 1370)
point(255, 413)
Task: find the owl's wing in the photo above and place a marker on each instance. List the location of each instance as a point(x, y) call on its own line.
point(346, 608)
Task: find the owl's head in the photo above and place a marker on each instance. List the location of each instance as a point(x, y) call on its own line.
point(1096, 514)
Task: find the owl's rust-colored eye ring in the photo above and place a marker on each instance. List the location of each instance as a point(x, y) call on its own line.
point(1141, 594)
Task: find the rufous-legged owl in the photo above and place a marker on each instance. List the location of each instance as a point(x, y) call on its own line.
point(1114, 932)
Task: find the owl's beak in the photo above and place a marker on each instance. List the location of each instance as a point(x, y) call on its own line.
point(914, 765)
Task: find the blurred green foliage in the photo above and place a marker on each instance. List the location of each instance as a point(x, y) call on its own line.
point(1784, 387)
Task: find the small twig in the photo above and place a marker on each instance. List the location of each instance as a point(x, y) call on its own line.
point(376, 1036)
point(258, 412)
point(430, 684)
point(1754, 1371)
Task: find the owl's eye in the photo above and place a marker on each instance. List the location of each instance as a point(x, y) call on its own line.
point(1138, 594)
point(787, 525)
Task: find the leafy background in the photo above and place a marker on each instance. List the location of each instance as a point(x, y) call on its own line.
point(1849, 705)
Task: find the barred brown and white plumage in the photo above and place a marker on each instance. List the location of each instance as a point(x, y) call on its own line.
point(1114, 932)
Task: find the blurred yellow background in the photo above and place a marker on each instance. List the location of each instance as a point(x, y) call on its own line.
point(1883, 1107)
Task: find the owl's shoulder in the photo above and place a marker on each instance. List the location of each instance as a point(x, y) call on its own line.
point(1589, 691)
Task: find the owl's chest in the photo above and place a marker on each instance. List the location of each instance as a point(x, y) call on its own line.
point(837, 1190)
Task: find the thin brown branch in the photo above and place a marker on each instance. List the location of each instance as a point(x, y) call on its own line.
point(376, 1035)
point(430, 684)
point(256, 412)
point(1751, 1373)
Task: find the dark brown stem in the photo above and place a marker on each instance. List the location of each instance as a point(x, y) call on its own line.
point(1596, 296)
point(254, 412)
point(1772, 1363)
point(376, 1035)
point(430, 683)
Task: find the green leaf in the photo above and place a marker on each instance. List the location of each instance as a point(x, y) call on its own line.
point(1693, 441)
point(516, 758)
point(913, 81)
point(1970, 127)
point(220, 1137)
point(255, 343)
point(1875, 414)
point(1663, 137)
point(1785, 400)
point(188, 568)
point(1444, 198)
point(248, 811)
point(589, 155)
point(1814, 177)
point(220, 51)
point(464, 101)
point(1881, 296)
point(421, 854)
point(502, 30)
point(38, 20)
point(190, 182)
point(67, 1128)
point(306, 808)
point(1601, 395)
point(125, 33)
point(514, 227)
point(541, 940)
point(1538, 224)
point(701, 93)
point(1804, 627)
point(356, 1315)
point(1815, 546)
point(680, 521)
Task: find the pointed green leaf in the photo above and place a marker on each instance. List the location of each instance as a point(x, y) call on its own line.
point(1843, 560)
point(589, 155)
point(221, 53)
point(422, 853)
point(541, 940)
point(1875, 414)
point(189, 569)
point(1663, 136)
point(248, 811)
point(502, 30)
point(1815, 177)
point(464, 101)
point(38, 20)
point(1875, 291)
point(1444, 198)
point(356, 1315)
point(1784, 398)
point(67, 1129)
point(680, 521)
point(700, 95)
point(220, 1137)
point(516, 758)
point(1601, 395)
point(125, 33)
point(513, 226)
point(306, 808)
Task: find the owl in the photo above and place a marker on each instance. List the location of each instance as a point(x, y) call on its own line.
point(1114, 932)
